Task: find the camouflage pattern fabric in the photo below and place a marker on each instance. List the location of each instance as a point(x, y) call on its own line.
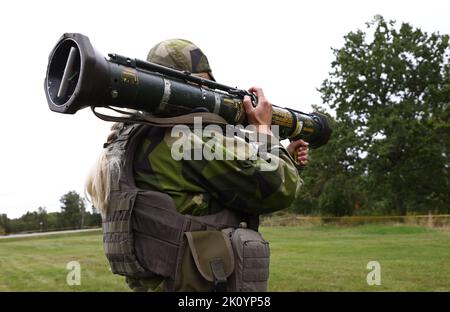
point(180, 54)
point(203, 186)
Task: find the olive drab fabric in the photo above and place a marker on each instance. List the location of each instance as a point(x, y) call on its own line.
point(180, 54)
point(208, 259)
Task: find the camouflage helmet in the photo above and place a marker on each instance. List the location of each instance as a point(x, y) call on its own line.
point(180, 54)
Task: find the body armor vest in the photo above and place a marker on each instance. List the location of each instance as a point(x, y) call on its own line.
point(144, 234)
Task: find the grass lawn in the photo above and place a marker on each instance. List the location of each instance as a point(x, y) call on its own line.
point(39, 263)
point(330, 258)
point(325, 258)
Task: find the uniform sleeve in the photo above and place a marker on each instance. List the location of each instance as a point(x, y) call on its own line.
point(259, 178)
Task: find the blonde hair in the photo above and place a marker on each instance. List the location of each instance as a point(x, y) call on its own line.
point(103, 173)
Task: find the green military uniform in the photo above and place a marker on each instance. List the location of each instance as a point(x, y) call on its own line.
point(201, 186)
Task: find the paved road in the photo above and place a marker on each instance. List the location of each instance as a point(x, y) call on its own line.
point(46, 233)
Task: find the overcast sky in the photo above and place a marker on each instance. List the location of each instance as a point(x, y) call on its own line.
point(281, 46)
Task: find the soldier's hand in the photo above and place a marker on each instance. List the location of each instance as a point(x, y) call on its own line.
point(299, 151)
point(261, 115)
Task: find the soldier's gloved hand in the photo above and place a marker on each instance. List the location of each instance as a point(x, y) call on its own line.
point(261, 115)
point(299, 151)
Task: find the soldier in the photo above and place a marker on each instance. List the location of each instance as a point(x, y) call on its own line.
point(228, 192)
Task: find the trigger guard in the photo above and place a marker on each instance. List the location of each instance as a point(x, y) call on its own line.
point(254, 99)
point(252, 96)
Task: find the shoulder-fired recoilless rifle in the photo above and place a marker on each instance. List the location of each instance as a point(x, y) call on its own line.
point(78, 77)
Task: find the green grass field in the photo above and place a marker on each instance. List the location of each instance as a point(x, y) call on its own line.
point(326, 258)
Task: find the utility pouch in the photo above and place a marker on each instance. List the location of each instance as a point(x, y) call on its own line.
point(207, 262)
point(251, 258)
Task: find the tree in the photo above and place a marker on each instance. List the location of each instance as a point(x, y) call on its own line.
point(72, 215)
point(54, 220)
point(5, 223)
point(390, 89)
point(42, 218)
point(94, 218)
point(331, 185)
point(72, 210)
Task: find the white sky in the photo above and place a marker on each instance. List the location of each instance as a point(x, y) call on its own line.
point(282, 46)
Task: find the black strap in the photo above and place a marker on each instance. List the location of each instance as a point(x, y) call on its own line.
point(253, 222)
point(220, 279)
point(147, 119)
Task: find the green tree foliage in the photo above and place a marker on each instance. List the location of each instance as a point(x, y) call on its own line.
point(72, 215)
point(92, 219)
point(53, 221)
point(5, 223)
point(331, 183)
point(72, 210)
point(390, 90)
